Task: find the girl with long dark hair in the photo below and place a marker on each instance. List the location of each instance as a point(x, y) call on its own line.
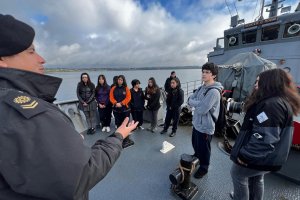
point(152, 95)
point(87, 103)
point(264, 141)
point(120, 98)
point(104, 105)
point(175, 99)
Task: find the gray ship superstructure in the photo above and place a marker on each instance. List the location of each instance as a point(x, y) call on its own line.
point(276, 38)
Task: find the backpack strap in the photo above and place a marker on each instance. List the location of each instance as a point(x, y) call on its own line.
point(211, 89)
point(214, 119)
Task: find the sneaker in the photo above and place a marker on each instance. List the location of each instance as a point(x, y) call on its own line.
point(140, 127)
point(172, 134)
point(103, 129)
point(107, 129)
point(200, 173)
point(163, 131)
point(231, 194)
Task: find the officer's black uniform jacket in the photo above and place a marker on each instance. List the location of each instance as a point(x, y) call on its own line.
point(41, 154)
point(266, 135)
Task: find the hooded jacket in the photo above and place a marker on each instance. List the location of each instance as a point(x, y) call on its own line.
point(265, 138)
point(206, 106)
point(41, 154)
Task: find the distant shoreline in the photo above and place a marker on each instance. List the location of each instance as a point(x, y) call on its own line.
point(49, 70)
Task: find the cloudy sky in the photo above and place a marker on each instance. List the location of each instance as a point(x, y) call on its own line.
point(128, 33)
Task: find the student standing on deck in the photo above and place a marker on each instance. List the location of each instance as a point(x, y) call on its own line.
point(42, 155)
point(104, 105)
point(87, 102)
point(175, 99)
point(137, 102)
point(207, 106)
point(152, 95)
point(265, 137)
point(167, 85)
point(120, 98)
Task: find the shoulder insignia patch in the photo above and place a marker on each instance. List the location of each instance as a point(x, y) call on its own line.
point(22, 99)
point(25, 99)
point(32, 105)
point(26, 105)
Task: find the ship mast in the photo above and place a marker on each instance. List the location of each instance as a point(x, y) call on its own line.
point(273, 8)
point(261, 15)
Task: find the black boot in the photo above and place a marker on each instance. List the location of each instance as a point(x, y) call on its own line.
point(93, 130)
point(163, 131)
point(88, 131)
point(127, 142)
point(200, 173)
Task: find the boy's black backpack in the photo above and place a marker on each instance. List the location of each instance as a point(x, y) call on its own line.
point(220, 123)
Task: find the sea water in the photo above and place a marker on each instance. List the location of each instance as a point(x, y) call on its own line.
point(67, 90)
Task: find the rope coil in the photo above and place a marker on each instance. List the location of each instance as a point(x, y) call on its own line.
point(182, 169)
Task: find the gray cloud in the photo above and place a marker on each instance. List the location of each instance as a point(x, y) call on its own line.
point(95, 33)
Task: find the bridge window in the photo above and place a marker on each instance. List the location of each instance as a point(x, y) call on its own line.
point(233, 40)
point(220, 43)
point(292, 29)
point(249, 37)
point(270, 33)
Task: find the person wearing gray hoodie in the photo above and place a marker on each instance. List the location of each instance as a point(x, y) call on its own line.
point(206, 101)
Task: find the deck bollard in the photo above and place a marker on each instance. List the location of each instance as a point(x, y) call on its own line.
point(181, 178)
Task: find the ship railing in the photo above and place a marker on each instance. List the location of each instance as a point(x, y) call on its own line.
point(189, 87)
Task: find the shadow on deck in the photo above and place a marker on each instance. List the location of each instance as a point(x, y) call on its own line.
point(142, 171)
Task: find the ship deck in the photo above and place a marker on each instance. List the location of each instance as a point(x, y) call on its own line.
point(142, 171)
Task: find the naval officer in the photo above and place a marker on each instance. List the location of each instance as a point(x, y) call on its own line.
point(41, 154)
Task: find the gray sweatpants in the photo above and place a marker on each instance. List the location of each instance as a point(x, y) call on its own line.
point(153, 119)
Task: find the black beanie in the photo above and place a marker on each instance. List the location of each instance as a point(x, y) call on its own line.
point(15, 36)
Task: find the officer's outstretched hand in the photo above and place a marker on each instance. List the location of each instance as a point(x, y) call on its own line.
point(125, 129)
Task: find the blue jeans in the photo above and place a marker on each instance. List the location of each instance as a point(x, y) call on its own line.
point(248, 183)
